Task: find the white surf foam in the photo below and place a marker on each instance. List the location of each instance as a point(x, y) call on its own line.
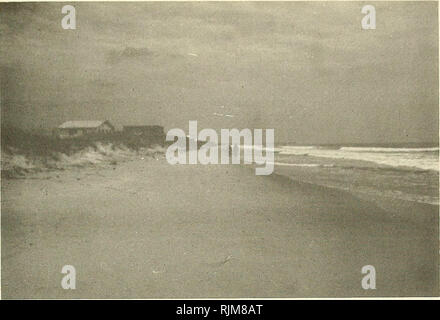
point(421, 158)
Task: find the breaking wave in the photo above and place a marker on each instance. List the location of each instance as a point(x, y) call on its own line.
point(389, 150)
point(417, 158)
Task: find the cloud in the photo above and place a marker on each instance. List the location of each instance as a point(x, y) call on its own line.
point(167, 61)
point(129, 53)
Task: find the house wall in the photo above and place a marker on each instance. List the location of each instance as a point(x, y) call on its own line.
point(144, 130)
point(144, 135)
point(64, 133)
point(104, 128)
point(70, 133)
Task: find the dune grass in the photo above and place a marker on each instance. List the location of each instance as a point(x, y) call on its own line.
point(27, 151)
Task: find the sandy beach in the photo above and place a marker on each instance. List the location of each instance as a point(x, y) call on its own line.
point(146, 229)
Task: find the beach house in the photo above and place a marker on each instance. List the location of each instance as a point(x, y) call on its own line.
point(75, 129)
point(146, 133)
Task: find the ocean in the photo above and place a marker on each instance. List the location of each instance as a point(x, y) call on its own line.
point(406, 172)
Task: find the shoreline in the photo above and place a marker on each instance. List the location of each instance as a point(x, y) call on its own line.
point(393, 206)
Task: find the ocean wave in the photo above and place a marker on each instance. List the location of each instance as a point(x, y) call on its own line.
point(311, 165)
point(299, 147)
point(388, 150)
point(417, 158)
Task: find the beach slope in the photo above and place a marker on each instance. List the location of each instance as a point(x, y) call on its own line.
point(146, 229)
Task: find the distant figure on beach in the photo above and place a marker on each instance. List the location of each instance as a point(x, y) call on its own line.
point(235, 150)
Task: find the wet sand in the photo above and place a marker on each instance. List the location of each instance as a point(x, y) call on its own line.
point(146, 229)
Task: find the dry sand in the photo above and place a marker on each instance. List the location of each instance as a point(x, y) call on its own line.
point(146, 229)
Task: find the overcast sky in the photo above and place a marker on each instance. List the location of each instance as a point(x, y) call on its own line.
point(308, 70)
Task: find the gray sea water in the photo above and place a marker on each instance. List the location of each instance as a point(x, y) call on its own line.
point(400, 172)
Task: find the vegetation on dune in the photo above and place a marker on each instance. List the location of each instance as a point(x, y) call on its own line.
point(29, 151)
